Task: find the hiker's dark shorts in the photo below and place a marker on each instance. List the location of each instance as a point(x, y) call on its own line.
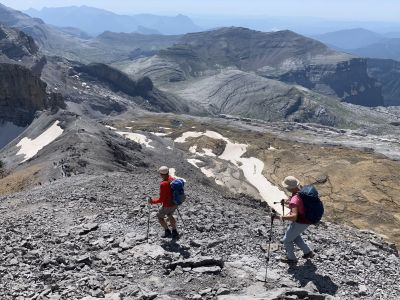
point(165, 211)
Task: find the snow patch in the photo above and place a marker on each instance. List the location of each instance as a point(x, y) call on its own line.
point(110, 127)
point(194, 162)
point(29, 148)
point(172, 172)
point(137, 137)
point(193, 149)
point(159, 133)
point(251, 167)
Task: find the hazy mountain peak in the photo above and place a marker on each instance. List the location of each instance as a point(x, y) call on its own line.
point(350, 38)
point(95, 21)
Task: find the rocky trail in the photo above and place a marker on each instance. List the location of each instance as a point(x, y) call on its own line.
point(84, 237)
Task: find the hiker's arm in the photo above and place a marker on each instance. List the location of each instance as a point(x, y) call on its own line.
point(155, 201)
point(164, 190)
point(292, 216)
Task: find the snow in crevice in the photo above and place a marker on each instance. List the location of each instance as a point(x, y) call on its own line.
point(251, 167)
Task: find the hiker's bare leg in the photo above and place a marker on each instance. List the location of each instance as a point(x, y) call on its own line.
point(172, 221)
point(163, 223)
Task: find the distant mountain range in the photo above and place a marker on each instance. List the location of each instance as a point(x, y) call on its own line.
point(95, 21)
point(364, 42)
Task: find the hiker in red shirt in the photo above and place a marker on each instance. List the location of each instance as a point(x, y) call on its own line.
point(168, 207)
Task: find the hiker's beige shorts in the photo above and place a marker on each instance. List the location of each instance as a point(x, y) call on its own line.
point(165, 211)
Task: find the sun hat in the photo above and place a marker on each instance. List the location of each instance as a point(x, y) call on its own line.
point(290, 182)
point(163, 170)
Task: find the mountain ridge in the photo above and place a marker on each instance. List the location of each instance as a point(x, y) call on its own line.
point(84, 17)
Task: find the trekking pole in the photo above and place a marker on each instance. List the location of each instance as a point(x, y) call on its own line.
point(273, 214)
point(282, 202)
point(148, 221)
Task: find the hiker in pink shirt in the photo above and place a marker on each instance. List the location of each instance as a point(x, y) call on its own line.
point(299, 222)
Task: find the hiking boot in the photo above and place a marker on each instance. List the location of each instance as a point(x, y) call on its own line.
point(175, 234)
point(167, 233)
point(308, 255)
point(286, 260)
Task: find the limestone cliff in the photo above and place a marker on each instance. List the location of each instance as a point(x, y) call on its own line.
point(387, 71)
point(142, 89)
point(22, 94)
point(348, 80)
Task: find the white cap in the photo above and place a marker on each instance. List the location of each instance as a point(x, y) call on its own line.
point(163, 170)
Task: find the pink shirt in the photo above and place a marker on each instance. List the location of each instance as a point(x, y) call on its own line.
point(296, 201)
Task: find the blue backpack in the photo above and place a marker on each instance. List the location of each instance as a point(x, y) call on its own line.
point(313, 206)
point(177, 186)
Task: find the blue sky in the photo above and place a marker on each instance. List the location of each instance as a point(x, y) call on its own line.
point(356, 10)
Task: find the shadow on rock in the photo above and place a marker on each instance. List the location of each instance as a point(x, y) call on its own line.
point(307, 272)
point(173, 246)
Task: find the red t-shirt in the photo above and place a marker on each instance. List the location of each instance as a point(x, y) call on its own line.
point(166, 195)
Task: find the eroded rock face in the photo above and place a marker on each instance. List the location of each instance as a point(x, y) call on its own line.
point(143, 89)
point(15, 44)
point(386, 71)
point(21, 94)
point(118, 81)
point(347, 80)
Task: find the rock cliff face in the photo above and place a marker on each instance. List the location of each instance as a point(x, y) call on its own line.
point(15, 44)
point(387, 72)
point(348, 80)
point(142, 88)
point(21, 94)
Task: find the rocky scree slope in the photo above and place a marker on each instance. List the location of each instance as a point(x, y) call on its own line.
point(85, 236)
point(84, 147)
point(234, 92)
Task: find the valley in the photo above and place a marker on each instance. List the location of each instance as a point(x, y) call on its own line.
point(85, 123)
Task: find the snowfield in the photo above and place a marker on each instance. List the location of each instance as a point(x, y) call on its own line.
point(251, 167)
point(29, 148)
